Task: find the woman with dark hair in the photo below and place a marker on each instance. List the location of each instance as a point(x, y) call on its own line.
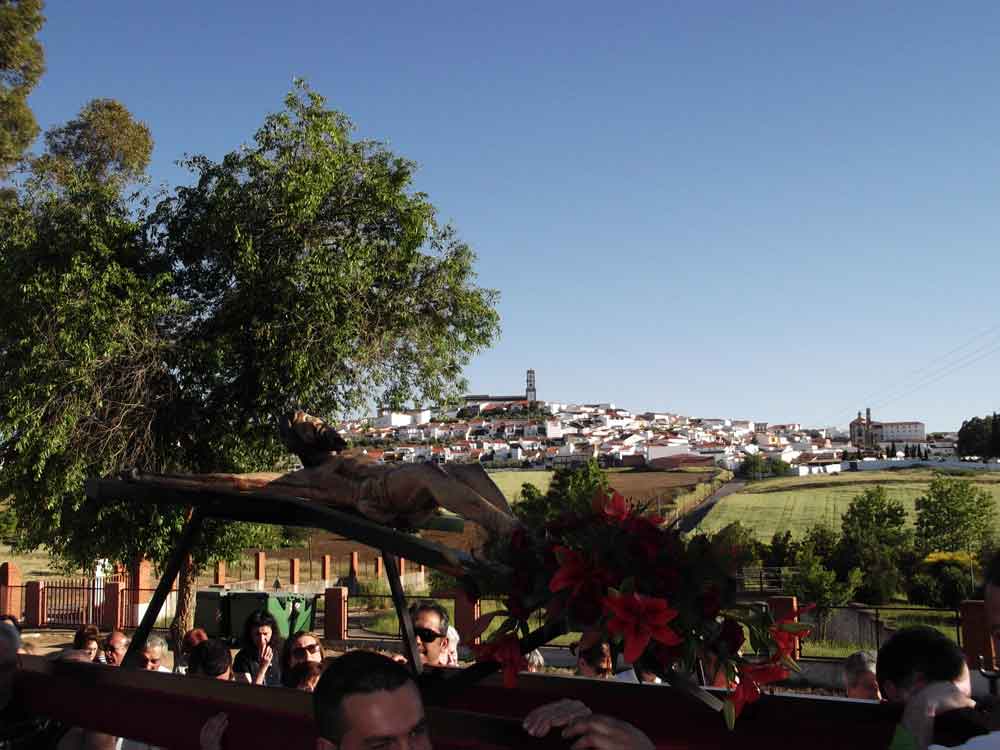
point(594, 658)
point(88, 640)
point(301, 648)
point(261, 643)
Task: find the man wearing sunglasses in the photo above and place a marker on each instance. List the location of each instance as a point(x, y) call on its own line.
point(430, 626)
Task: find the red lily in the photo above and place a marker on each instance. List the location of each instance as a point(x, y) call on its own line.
point(574, 571)
point(752, 676)
point(787, 638)
point(614, 507)
point(506, 651)
point(640, 619)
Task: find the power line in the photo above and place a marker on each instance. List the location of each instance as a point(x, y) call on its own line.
point(912, 380)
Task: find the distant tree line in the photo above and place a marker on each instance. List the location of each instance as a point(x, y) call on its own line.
point(980, 436)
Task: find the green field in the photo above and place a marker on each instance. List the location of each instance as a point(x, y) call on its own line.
point(796, 503)
point(510, 482)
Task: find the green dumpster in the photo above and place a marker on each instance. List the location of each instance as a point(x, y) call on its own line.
point(211, 613)
point(292, 612)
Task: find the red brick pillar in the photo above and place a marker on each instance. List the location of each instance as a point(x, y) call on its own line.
point(402, 567)
point(34, 605)
point(325, 568)
point(355, 565)
point(219, 578)
point(782, 607)
point(111, 616)
point(335, 615)
point(294, 569)
point(260, 570)
point(379, 567)
point(976, 639)
point(10, 590)
point(467, 611)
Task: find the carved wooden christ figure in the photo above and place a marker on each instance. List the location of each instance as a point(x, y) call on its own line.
point(399, 495)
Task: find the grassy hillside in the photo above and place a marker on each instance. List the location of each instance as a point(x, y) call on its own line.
point(796, 503)
point(510, 482)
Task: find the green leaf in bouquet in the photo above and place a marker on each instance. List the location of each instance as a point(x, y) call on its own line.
point(729, 713)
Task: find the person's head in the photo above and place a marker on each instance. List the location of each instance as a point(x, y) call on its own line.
point(595, 660)
point(536, 662)
point(859, 676)
point(914, 657)
point(211, 659)
point(992, 597)
point(153, 653)
point(303, 647)
point(430, 625)
point(10, 645)
point(365, 701)
point(260, 630)
point(304, 676)
point(115, 647)
point(191, 639)
point(87, 639)
point(11, 620)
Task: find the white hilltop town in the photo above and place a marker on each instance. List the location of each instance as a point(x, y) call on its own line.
point(524, 431)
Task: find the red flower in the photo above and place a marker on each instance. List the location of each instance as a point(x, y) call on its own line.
point(506, 651)
point(640, 619)
point(787, 632)
point(646, 538)
point(614, 508)
point(585, 604)
point(752, 676)
point(574, 571)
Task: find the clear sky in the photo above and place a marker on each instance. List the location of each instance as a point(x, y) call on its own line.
point(775, 211)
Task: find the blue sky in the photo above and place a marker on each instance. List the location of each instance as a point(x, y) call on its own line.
point(776, 211)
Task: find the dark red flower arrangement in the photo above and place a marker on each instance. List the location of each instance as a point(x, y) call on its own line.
point(619, 571)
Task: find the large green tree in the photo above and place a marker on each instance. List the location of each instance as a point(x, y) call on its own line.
point(22, 62)
point(300, 270)
point(954, 516)
point(873, 538)
point(974, 437)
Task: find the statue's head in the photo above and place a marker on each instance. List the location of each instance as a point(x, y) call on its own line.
point(309, 437)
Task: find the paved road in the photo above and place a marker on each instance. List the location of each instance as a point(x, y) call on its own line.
point(696, 516)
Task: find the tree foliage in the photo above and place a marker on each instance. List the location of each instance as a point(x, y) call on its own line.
point(813, 582)
point(104, 142)
point(873, 539)
point(571, 491)
point(22, 62)
point(976, 437)
point(954, 516)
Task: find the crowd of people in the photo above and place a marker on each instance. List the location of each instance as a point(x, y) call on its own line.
point(366, 699)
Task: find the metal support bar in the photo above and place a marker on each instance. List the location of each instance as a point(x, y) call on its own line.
point(189, 536)
point(402, 612)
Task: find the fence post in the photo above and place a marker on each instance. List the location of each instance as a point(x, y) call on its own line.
point(785, 606)
point(402, 567)
point(379, 567)
point(219, 579)
point(111, 617)
point(142, 584)
point(34, 604)
point(325, 569)
point(335, 615)
point(976, 637)
point(294, 571)
point(355, 565)
point(10, 590)
point(260, 570)
point(467, 611)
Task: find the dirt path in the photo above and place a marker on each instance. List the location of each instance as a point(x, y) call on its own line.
point(695, 517)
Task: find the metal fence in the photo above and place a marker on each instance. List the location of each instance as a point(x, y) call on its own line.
point(763, 580)
point(75, 602)
point(840, 631)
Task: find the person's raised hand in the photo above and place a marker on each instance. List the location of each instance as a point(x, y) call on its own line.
point(211, 734)
point(922, 707)
point(604, 733)
point(558, 714)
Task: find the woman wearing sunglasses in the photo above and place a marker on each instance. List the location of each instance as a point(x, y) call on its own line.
point(302, 647)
